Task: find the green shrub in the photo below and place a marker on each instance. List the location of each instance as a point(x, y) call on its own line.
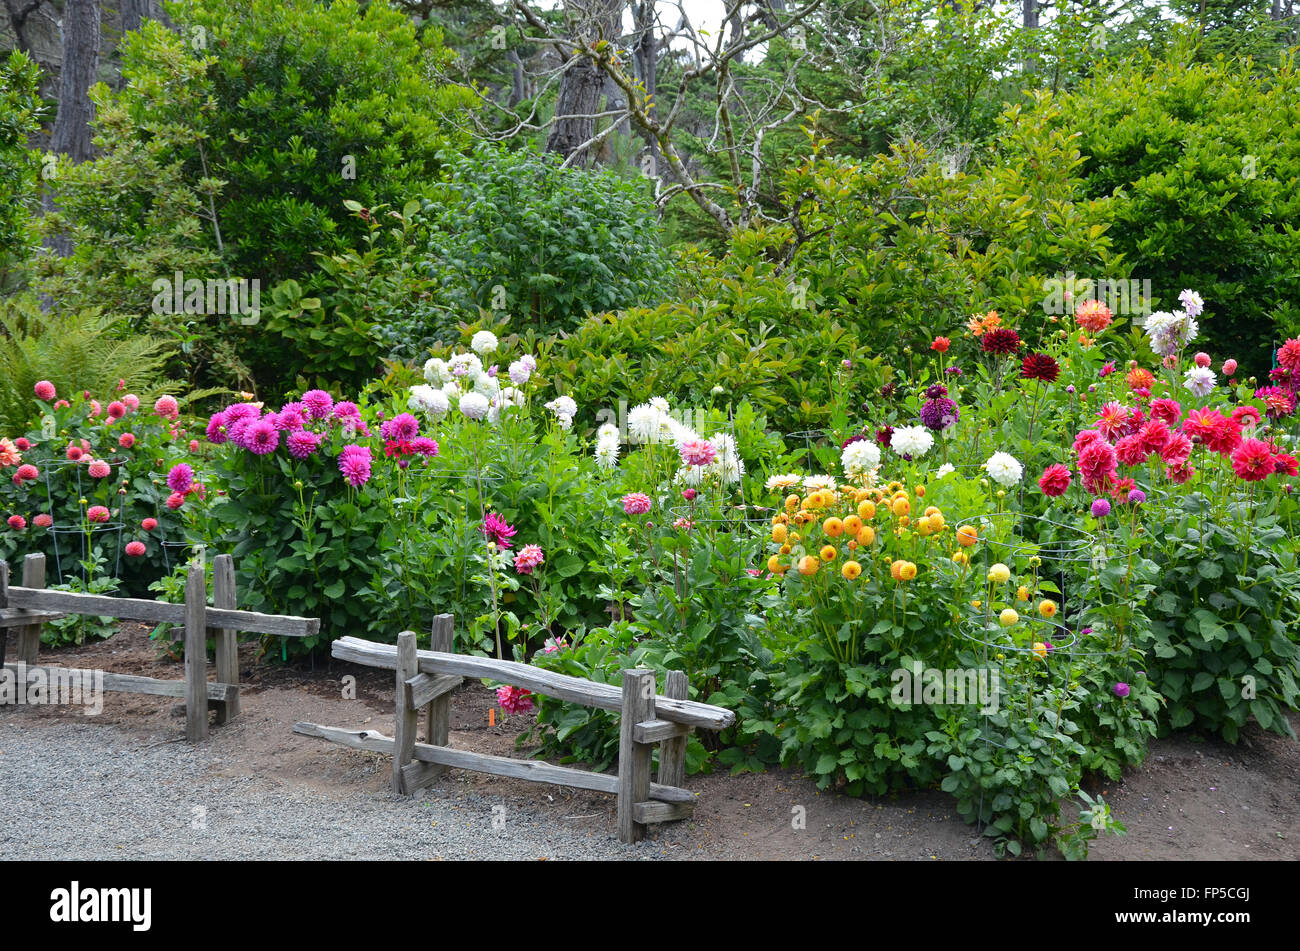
point(231, 149)
point(1223, 646)
point(514, 232)
point(20, 111)
point(1200, 163)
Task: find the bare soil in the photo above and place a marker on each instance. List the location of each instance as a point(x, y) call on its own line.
point(1195, 798)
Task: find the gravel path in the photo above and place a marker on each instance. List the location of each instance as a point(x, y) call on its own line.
point(80, 791)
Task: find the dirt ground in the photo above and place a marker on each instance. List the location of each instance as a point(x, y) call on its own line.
point(1195, 798)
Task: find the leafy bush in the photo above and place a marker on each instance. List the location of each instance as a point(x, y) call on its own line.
point(20, 111)
point(237, 140)
point(1199, 167)
point(889, 253)
point(1222, 643)
point(513, 232)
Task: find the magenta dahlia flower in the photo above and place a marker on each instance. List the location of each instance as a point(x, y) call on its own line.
point(403, 428)
point(180, 478)
point(290, 417)
point(261, 437)
point(318, 403)
point(216, 429)
point(514, 699)
point(354, 463)
point(302, 443)
point(346, 410)
point(496, 529)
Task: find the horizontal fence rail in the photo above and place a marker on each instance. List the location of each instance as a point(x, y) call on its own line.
point(425, 678)
point(27, 607)
point(560, 686)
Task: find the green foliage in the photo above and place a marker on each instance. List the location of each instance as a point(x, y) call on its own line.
point(333, 338)
point(559, 243)
point(1223, 645)
point(20, 113)
point(313, 103)
point(887, 254)
point(1200, 163)
point(230, 150)
point(74, 350)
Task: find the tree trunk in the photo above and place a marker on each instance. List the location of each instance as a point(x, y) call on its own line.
point(516, 79)
point(71, 134)
point(80, 29)
point(645, 63)
point(583, 82)
point(135, 12)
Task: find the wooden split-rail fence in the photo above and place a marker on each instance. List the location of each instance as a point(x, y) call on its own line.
point(29, 606)
point(426, 678)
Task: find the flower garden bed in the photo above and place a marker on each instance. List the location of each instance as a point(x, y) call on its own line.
point(1100, 555)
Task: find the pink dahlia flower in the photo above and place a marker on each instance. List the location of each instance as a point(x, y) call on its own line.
point(26, 473)
point(149, 524)
point(354, 463)
point(166, 406)
point(290, 417)
point(97, 513)
point(302, 443)
point(1253, 460)
point(126, 441)
point(262, 437)
point(17, 523)
point(697, 452)
point(45, 391)
point(135, 549)
point(44, 520)
point(529, 557)
point(1054, 480)
point(99, 469)
point(636, 503)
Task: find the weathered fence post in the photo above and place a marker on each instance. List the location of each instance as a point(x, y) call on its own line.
point(437, 717)
point(29, 637)
point(672, 752)
point(227, 644)
point(407, 717)
point(634, 757)
point(196, 655)
point(4, 603)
